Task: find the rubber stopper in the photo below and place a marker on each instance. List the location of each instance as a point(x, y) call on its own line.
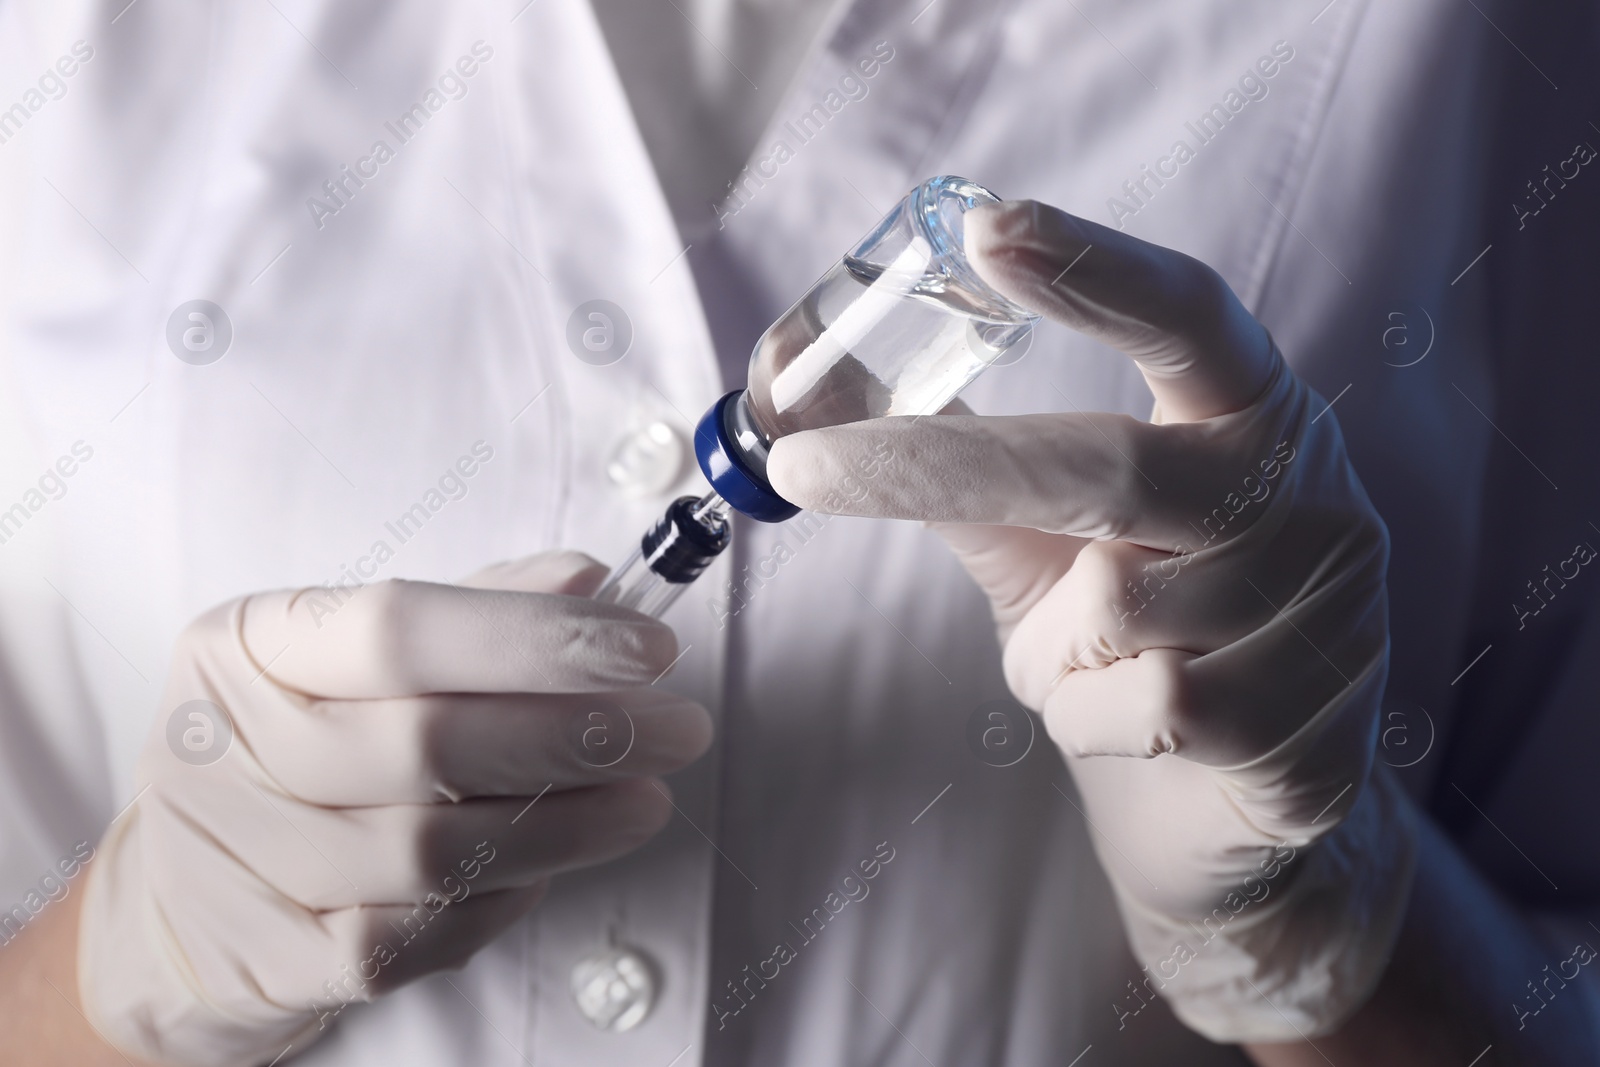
point(731, 473)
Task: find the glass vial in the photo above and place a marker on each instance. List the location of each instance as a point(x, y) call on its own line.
point(899, 326)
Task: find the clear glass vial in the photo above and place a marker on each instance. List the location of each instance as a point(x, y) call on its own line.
point(899, 326)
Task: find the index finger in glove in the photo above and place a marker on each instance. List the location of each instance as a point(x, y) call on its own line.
point(401, 638)
point(1090, 475)
point(565, 572)
point(415, 750)
point(1200, 351)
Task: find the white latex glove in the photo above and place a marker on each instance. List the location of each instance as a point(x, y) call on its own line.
point(1197, 607)
point(375, 793)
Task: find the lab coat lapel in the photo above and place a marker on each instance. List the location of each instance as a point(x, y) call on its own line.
point(593, 209)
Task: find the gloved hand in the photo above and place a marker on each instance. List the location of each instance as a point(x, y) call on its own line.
point(1197, 607)
point(370, 821)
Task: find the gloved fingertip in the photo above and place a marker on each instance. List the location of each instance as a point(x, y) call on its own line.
point(563, 571)
point(1025, 224)
point(660, 786)
point(640, 808)
point(802, 470)
point(988, 224)
point(990, 229)
point(1014, 245)
point(672, 734)
point(584, 574)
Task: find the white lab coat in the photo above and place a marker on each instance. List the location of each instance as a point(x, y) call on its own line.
point(376, 344)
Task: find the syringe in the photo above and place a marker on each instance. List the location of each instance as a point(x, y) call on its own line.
point(670, 556)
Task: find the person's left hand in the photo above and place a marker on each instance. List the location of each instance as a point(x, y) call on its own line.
point(1196, 606)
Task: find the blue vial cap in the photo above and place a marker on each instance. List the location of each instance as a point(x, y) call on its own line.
point(730, 474)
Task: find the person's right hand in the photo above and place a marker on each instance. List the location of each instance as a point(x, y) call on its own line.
point(381, 811)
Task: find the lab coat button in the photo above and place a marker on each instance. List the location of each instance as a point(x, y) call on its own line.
point(614, 988)
point(647, 460)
